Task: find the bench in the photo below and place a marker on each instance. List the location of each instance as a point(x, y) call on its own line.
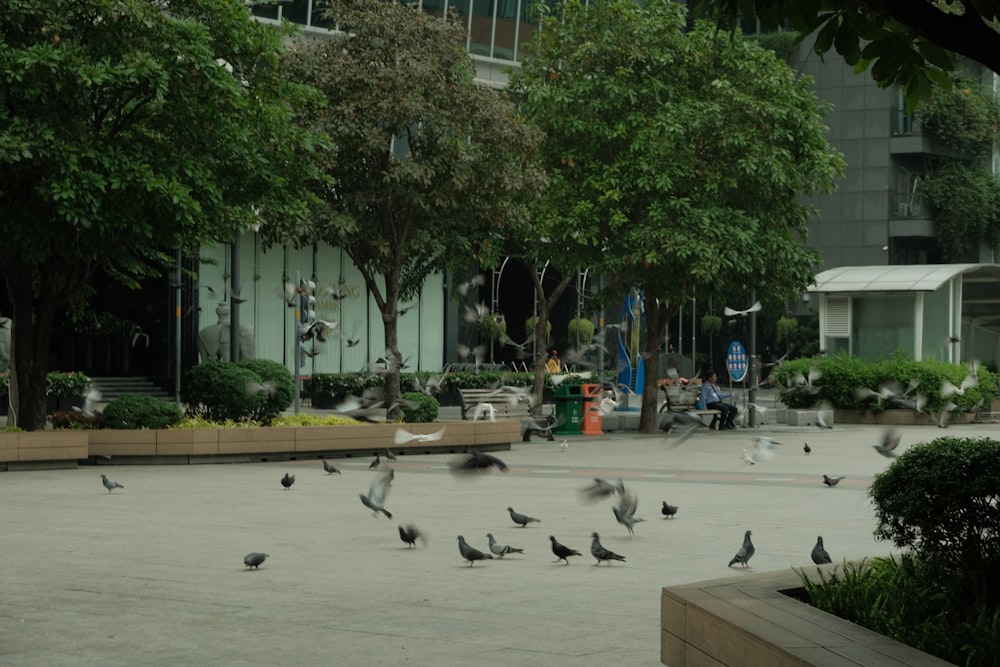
point(682, 399)
point(473, 398)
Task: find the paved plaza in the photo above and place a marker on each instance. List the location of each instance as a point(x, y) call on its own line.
point(152, 574)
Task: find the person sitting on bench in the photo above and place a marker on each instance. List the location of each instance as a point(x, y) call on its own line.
point(711, 398)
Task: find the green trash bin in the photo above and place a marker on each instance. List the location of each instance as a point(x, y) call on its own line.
point(570, 402)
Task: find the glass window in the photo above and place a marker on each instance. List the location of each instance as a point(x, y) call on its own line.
point(265, 11)
point(481, 28)
point(297, 11)
point(433, 7)
point(506, 29)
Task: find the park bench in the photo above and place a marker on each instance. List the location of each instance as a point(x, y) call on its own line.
point(685, 399)
point(472, 398)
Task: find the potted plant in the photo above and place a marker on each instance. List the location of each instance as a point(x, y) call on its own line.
point(580, 331)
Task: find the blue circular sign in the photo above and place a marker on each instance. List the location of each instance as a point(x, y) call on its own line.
point(737, 361)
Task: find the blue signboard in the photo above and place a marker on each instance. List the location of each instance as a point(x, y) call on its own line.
point(737, 361)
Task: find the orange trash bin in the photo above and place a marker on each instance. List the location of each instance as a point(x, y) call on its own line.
point(592, 418)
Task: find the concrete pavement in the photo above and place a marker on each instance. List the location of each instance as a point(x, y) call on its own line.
point(153, 575)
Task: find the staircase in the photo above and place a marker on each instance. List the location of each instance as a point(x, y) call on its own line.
point(115, 387)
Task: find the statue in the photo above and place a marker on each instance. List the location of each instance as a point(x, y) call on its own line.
point(5, 325)
point(213, 341)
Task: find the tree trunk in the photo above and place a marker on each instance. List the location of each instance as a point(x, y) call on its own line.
point(657, 317)
point(32, 324)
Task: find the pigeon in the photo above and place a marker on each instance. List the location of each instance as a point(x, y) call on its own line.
point(601, 489)
point(254, 559)
point(377, 492)
point(329, 468)
point(287, 481)
point(502, 549)
point(470, 554)
point(887, 446)
point(562, 552)
point(668, 510)
point(764, 449)
point(599, 552)
point(110, 484)
point(681, 424)
point(484, 411)
point(819, 554)
point(806, 448)
point(564, 446)
point(521, 519)
point(832, 481)
point(476, 460)
point(624, 512)
point(389, 454)
point(376, 462)
point(747, 458)
point(730, 312)
point(824, 415)
point(409, 534)
point(745, 553)
point(403, 436)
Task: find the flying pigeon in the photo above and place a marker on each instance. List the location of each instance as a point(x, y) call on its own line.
point(832, 481)
point(409, 534)
point(601, 489)
point(521, 519)
point(403, 436)
point(887, 446)
point(110, 484)
point(287, 481)
point(824, 415)
point(764, 449)
point(668, 510)
point(377, 492)
point(747, 458)
point(254, 559)
point(484, 411)
point(502, 549)
point(729, 312)
point(474, 460)
point(806, 448)
point(599, 552)
point(330, 469)
point(562, 552)
point(624, 512)
point(745, 553)
point(819, 554)
point(470, 554)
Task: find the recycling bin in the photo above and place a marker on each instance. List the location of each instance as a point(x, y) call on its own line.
point(593, 418)
point(570, 403)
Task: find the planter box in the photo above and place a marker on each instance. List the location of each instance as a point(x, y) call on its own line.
point(44, 446)
point(187, 442)
point(115, 442)
point(256, 440)
point(748, 621)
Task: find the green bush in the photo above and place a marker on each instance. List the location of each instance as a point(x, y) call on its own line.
point(424, 408)
point(337, 385)
point(217, 391)
point(841, 375)
point(281, 387)
point(140, 411)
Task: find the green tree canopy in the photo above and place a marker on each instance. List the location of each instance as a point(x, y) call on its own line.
point(428, 165)
point(903, 41)
point(678, 158)
point(129, 128)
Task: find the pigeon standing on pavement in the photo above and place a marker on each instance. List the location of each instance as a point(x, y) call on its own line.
point(287, 481)
point(521, 519)
point(376, 462)
point(409, 534)
point(379, 489)
point(819, 554)
point(832, 481)
point(110, 484)
point(562, 552)
point(745, 553)
point(668, 510)
point(470, 554)
point(254, 559)
point(806, 448)
point(602, 554)
point(501, 549)
point(329, 468)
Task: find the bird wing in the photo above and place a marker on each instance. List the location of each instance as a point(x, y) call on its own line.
point(379, 488)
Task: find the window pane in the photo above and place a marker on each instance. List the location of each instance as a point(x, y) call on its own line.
point(433, 7)
point(481, 32)
point(296, 12)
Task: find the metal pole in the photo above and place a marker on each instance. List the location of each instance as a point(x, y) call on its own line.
point(753, 362)
point(177, 331)
point(297, 355)
point(234, 307)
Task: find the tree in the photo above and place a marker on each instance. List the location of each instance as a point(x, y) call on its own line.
point(677, 157)
point(427, 163)
point(902, 41)
point(129, 128)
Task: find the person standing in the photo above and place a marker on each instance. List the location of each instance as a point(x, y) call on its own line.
point(712, 398)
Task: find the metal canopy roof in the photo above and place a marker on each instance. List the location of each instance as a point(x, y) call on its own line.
point(980, 285)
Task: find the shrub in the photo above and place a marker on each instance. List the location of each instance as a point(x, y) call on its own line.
point(281, 385)
point(423, 408)
point(139, 411)
point(217, 391)
point(580, 331)
point(338, 385)
point(66, 384)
